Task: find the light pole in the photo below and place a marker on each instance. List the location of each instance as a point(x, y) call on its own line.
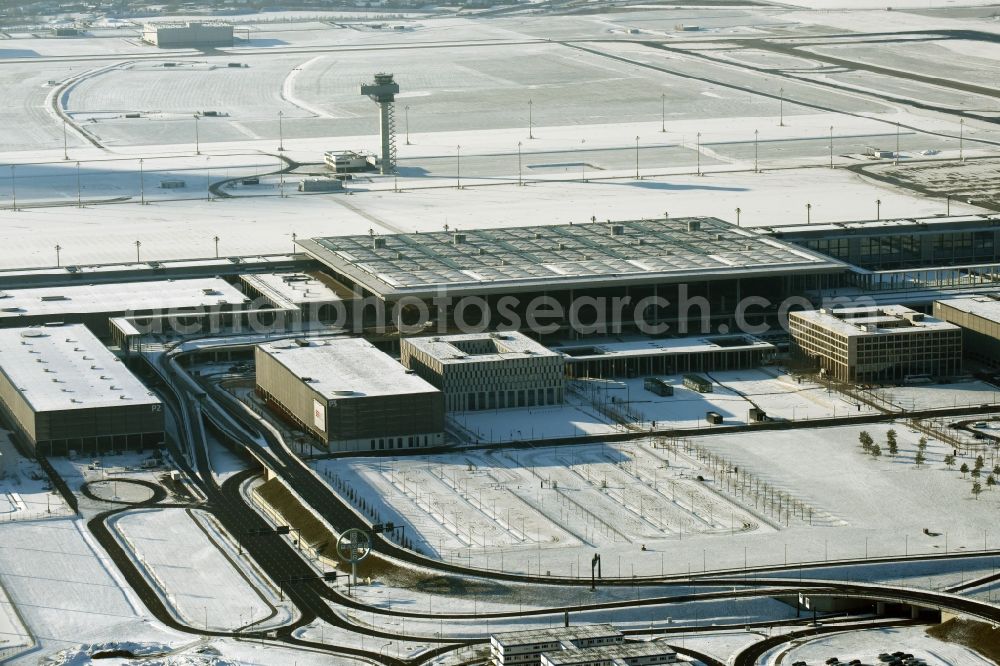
point(458, 162)
point(197, 141)
point(831, 146)
point(281, 132)
point(878, 210)
point(755, 137)
point(637, 157)
point(738, 217)
point(216, 239)
point(294, 236)
point(58, 259)
point(138, 244)
point(79, 195)
point(583, 162)
point(809, 207)
point(961, 139)
point(895, 156)
point(208, 181)
point(406, 116)
point(519, 180)
point(663, 112)
point(698, 151)
point(781, 107)
point(65, 142)
point(530, 131)
point(142, 185)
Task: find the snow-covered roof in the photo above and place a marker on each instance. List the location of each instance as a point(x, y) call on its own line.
point(343, 368)
point(118, 297)
point(480, 347)
point(608, 653)
point(873, 320)
point(980, 306)
point(561, 256)
point(67, 367)
point(591, 348)
point(293, 288)
point(548, 634)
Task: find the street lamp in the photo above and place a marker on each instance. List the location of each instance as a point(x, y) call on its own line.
point(79, 195)
point(530, 133)
point(895, 156)
point(216, 239)
point(281, 132)
point(831, 146)
point(58, 259)
point(142, 184)
point(294, 236)
point(13, 186)
point(138, 244)
point(406, 115)
point(583, 162)
point(663, 112)
point(737, 217)
point(637, 157)
point(878, 210)
point(961, 139)
point(519, 180)
point(809, 213)
point(755, 137)
point(458, 162)
point(65, 142)
point(698, 152)
point(781, 107)
point(197, 141)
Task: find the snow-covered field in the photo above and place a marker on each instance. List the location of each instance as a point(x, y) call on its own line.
point(784, 496)
point(194, 566)
point(25, 490)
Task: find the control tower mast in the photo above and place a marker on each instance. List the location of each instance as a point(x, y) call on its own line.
point(383, 91)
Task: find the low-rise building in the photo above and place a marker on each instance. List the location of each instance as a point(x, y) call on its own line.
point(628, 653)
point(641, 355)
point(188, 35)
point(62, 390)
point(979, 319)
point(876, 344)
point(478, 371)
point(349, 395)
point(525, 648)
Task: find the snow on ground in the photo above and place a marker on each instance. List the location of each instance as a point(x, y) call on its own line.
point(867, 645)
point(598, 406)
point(932, 396)
point(66, 589)
point(784, 496)
point(25, 490)
point(199, 581)
point(14, 636)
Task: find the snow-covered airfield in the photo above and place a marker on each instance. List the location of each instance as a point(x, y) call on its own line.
point(526, 117)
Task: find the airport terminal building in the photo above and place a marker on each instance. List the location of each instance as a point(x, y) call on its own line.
point(349, 395)
point(62, 390)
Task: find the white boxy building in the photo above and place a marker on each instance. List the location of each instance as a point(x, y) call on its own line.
point(525, 648)
point(487, 370)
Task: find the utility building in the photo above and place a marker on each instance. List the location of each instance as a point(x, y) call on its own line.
point(349, 395)
point(876, 344)
point(487, 370)
point(187, 35)
point(62, 390)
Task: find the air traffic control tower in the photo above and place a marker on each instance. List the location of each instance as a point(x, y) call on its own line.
point(384, 92)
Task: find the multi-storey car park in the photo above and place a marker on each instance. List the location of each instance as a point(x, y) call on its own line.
point(62, 390)
point(876, 344)
point(349, 395)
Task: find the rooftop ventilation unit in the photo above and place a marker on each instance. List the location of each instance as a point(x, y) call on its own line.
point(457, 239)
point(617, 229)
point(378, 242)
point(54, 297)
point(694, 225)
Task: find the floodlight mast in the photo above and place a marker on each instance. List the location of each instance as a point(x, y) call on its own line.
point(383, 91)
